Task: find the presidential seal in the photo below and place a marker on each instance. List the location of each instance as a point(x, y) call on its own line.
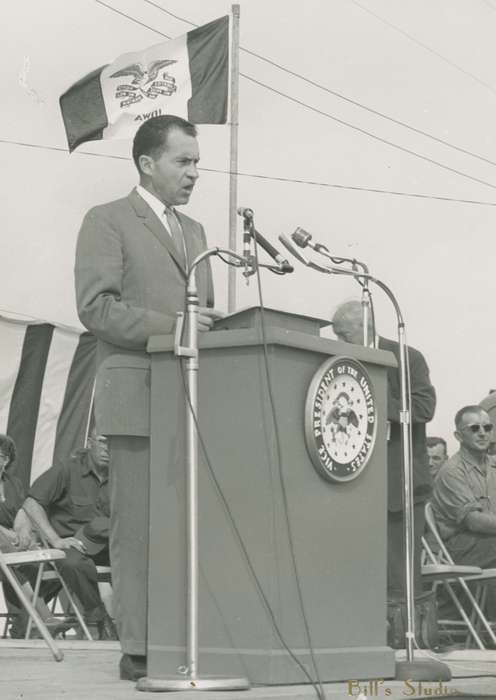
point(340, 419)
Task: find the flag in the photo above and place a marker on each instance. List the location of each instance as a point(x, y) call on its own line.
point(186, 76)
point(46, 383)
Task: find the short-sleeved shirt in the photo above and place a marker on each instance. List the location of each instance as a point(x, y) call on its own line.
point(461, 487)
point(14, 495)
point(72, 495)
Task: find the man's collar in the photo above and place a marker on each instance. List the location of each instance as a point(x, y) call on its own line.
point(89, 465)
point(471, 461)
point(153, 201)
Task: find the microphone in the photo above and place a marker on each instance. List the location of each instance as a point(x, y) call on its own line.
point(250, 230)
point(245, 212)
point(273, 252)
point(302, 239)
point(288, 244)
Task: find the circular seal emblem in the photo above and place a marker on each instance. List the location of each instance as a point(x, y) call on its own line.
point(340, 419)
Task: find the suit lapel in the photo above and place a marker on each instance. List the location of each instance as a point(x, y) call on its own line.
point(153, 224)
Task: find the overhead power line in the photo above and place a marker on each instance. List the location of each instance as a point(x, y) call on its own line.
point(133, 19)
point(326, 114)
point(337, 94)
point(274, 178)
point(360, 105)
point(425, 46)
point(371, 135)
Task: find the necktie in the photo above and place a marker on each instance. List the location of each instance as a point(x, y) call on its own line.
point(176, 233)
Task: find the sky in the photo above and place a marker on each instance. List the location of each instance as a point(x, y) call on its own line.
point(305, 158)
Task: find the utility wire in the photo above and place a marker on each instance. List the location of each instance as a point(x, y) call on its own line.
point(171, 14)
point(370, 134)
point(370, 109)
point(133, 19)
point(315, 183)
point(336, 119)
point(337, 94)
point(353, 187)
point(426, 47)
point(258, 585)
point(62, 150)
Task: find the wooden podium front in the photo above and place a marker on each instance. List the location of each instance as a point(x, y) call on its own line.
point(338, 529)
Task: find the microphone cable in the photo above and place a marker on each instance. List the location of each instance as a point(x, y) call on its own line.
point(318, 683)
point(266, 604)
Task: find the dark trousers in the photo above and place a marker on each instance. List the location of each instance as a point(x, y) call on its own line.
point(129, 498)
point(396, 580)
point(27, 572)
point(80, 574)
point(477, 549)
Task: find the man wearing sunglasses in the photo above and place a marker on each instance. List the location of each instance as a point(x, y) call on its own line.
point(464, 496)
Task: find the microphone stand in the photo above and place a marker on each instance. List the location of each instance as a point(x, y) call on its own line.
point(425, 669)
point(191, 679)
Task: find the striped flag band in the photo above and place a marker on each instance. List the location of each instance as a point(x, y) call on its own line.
point(46, 384)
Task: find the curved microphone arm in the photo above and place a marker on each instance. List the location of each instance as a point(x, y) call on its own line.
point(208, 253)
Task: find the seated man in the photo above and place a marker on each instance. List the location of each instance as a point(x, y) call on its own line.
point(464, 497)
point(69, 505)
point(437, 451)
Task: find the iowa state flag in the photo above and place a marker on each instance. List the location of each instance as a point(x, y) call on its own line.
point(186, 76)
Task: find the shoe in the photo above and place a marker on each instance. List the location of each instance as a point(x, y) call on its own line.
point(18, 626)
point(60, 625)
point(132, 667)
point(96, 615)
point(55, 625)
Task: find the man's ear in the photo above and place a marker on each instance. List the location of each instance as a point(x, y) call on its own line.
point(457, 436)
point(146, 164)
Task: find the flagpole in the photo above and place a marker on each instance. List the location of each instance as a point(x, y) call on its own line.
point(233, 162)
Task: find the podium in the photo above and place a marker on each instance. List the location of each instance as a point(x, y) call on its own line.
point(338, 529)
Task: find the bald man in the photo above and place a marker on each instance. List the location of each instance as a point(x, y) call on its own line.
point(348, 326)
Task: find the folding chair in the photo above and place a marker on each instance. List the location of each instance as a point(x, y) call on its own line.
point(10, 560)
point(105, 587)
point(52, 575)
point(69, 601)
point(459, 575)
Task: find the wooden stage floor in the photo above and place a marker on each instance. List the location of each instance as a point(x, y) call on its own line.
point(89, 672)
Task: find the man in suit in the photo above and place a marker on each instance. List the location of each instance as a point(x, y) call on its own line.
point(130, 273)
point(348, 326)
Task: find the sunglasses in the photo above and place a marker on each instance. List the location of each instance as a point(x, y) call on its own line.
point(475, 427)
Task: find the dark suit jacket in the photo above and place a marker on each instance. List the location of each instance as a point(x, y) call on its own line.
point(423, 406)
point(129, 286)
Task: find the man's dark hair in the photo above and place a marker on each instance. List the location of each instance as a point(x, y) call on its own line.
point(466, 409)
point(433, 441)
point(8, 447)
point(151, 137)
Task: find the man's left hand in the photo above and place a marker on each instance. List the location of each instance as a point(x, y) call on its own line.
point(24, 537)
point(206, 317)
